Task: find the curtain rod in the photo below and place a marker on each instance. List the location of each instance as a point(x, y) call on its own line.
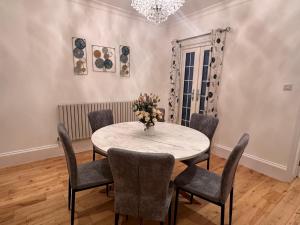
point(227, 29)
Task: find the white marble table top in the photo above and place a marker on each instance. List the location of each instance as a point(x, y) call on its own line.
point(182, 142)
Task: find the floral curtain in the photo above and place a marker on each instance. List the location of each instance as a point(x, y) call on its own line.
point(218, 38)
point(217, 51)
point(175, 83)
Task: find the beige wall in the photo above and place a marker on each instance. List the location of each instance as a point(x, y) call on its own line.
point(262, 54)
point(37, 65)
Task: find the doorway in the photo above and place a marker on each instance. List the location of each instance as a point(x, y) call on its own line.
point(195, 71)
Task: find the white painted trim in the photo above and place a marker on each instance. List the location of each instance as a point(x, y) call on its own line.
point(294, 158)
point(215, 8)
point(269, 168)
point(105, 7)
point(20, 151)
point(28, 155)
point(178, 17)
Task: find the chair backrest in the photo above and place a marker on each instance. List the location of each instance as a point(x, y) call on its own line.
point(205, 124)
point(69, 153)
point(141, 182)
point(101, 118)
point(163, 114)
point(231, 166)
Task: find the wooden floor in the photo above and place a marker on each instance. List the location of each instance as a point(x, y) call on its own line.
point(36, 194)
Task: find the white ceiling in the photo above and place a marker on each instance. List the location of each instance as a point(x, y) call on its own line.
point(189, 7)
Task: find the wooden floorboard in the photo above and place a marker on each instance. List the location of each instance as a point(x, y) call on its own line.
point(36, 194)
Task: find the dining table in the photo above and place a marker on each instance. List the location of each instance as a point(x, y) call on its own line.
point(180, 141)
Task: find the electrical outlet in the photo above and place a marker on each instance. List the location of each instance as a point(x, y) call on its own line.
point(287, 87)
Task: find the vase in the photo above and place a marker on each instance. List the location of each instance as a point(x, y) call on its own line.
point(149, 131)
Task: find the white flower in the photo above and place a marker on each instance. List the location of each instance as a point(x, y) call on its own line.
point(147, 118)
point(137, 113)
point(154, 120)
point(154, 110)
point(140, 116)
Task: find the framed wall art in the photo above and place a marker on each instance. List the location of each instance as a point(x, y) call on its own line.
point(104, 59)
point(79, 56)
point(124, 61)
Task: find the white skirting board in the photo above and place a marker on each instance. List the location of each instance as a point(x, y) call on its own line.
point(255, 163)
point(23, 156)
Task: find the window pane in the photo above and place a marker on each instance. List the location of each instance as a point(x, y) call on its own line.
point(187, 59)
point(186, 73)
point(192, 58)
point(183, 115)
point(204, 73)
point(185, 87)
point(188, 112)
point(189, 89)
point(206, 57)
point(203, 88)
point(189, 100)
point(191, 73)
point(202, 103)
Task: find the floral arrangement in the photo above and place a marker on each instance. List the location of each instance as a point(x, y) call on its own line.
point(145, 109)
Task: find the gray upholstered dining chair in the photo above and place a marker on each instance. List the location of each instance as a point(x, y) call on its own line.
point(206, 125)
point(83, 176)
point(163, 114)
point(99, 119)
point(142, 184)
point(210, 186)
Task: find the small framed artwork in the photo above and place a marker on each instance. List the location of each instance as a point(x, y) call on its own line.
point(104, 59)
point(124, 61)
point(79, 56)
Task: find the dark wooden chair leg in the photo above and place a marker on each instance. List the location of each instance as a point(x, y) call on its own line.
point(170, 214)
point(230, 206)
point(72, 206)
point(207, 166)
point(69, 195)
point(94, 155)
point(191, 198)
point(176, 205)
point(107, 187)
point(126, 217)
point(117, 215)
point(161, 223)
point(222, 214)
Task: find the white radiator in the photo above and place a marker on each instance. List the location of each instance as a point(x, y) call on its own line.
point(75, 116)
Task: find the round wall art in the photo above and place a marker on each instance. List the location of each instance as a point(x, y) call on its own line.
point(103, 59)
point(79, 56)
point(124, 61)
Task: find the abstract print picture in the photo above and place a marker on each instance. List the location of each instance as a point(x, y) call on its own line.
point(79, 56)
point(103, 59)
point(124, 61)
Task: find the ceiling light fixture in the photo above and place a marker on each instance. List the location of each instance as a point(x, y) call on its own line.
point(157, 11)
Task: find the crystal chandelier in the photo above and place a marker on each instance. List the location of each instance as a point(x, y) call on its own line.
point(157, 11)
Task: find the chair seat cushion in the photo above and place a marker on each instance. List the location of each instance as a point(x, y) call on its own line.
point(93, 174)
point(197, 159)
point(200, 182)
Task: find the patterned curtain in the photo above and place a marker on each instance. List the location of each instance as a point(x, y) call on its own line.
point(175, 83)
point(217, 51)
